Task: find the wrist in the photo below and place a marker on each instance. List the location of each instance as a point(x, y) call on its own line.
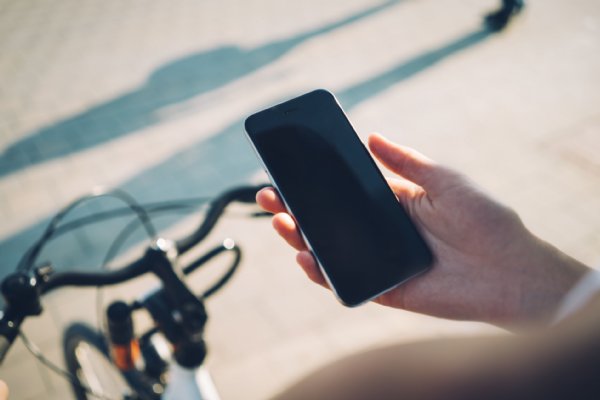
point(548, 276)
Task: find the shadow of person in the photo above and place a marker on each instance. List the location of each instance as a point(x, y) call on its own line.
point(220, 161)
point(175, 82)
point(355, 94)
point(225, 159)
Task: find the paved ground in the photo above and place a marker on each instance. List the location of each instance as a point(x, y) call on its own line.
point(150, 96)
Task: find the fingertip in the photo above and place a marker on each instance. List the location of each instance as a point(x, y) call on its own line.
point(384, 150)
point(268, 199)
point(260, 196)
point(283, 223)
point(263, 190)
point(406, 162)
point(375, 136)
point(265, 193)
point(375, 140)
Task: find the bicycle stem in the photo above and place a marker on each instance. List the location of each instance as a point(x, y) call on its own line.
point(181, 315)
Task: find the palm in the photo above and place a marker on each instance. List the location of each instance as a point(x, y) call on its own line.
point(466, 230)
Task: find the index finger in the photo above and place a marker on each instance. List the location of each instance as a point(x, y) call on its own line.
point(270, 201)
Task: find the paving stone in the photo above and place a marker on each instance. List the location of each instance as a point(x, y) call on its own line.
point(92, 93)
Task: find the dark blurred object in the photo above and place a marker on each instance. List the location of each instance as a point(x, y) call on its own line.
point(560, 362)
point(499, 19)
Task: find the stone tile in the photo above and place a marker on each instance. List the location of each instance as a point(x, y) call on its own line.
point(517, 112)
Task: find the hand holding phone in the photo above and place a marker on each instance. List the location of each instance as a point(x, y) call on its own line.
point(488, 266)
point(360, 235)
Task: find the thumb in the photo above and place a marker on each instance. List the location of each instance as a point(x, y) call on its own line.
point(408, 163)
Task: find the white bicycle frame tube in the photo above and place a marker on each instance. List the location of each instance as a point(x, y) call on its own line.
point(189, 384)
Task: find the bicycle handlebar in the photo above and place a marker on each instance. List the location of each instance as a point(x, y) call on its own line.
point(242, 194)
point(98, 279)
point(45, 281)
point(139, 267)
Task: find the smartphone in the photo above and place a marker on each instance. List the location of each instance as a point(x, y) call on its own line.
point(363, 240)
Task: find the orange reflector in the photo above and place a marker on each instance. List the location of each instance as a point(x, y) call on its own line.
point(126, 355)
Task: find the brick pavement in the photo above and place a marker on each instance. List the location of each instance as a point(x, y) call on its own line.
point(150, 96)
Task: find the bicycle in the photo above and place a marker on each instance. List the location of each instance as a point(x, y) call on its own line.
point(166, 361)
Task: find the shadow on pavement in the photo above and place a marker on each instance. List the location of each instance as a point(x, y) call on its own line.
point(175, 82)
point(353, 95)
point(214, 164)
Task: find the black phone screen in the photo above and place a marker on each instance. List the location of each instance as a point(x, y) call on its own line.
point(361, 236)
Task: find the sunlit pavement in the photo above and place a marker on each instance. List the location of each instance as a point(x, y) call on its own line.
point(151, 97)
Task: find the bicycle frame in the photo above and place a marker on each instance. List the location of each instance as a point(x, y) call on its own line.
point(189, 384)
